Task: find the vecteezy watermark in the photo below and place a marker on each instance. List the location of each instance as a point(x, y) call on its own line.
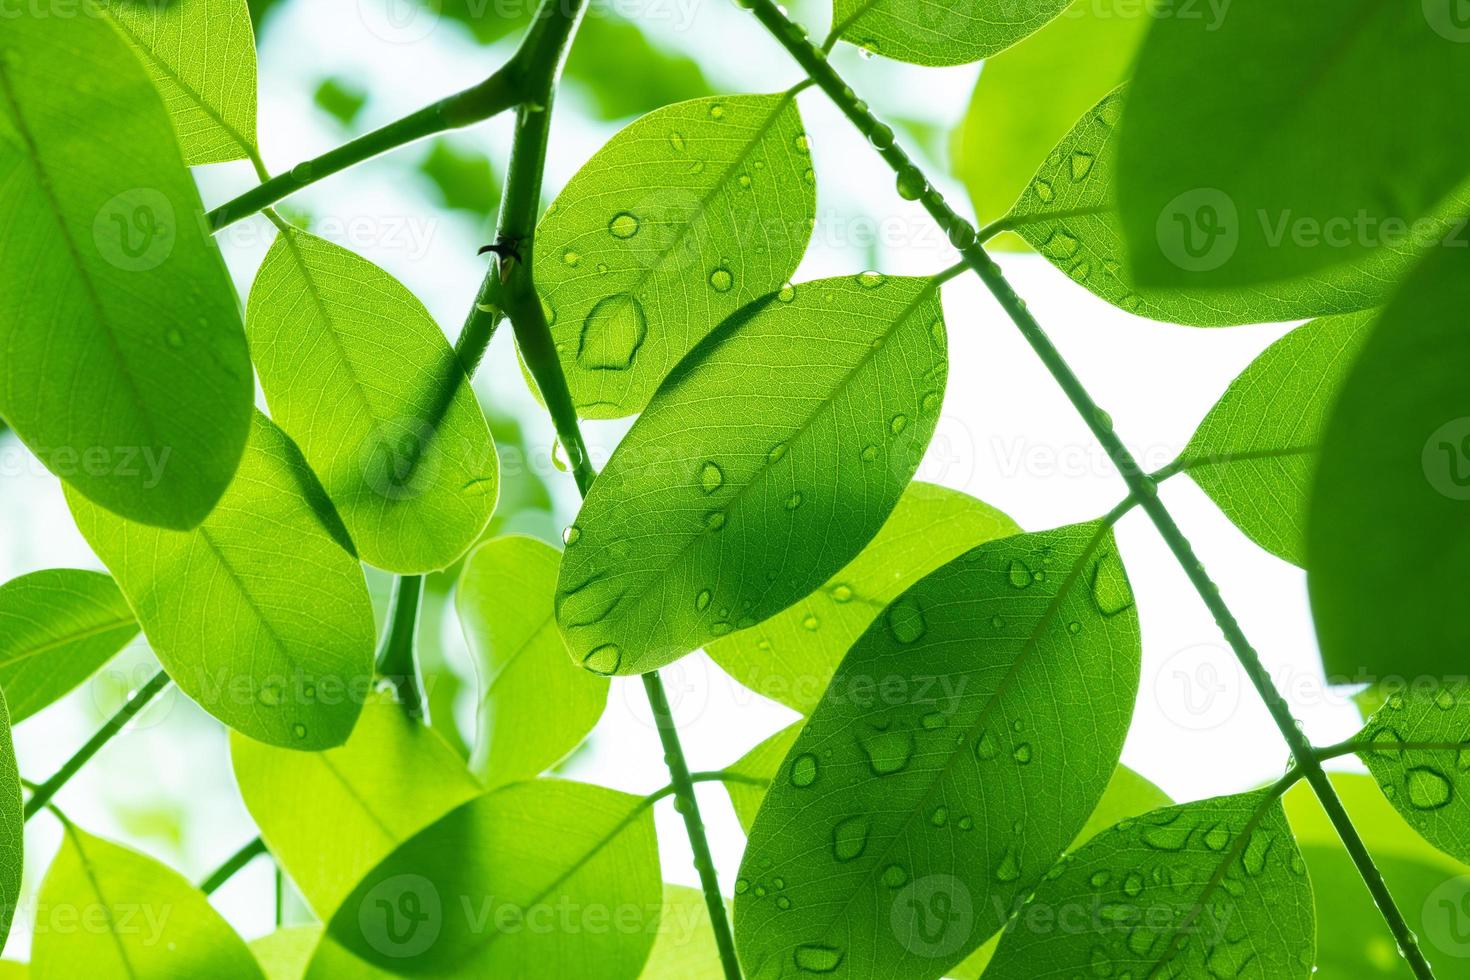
point(1446, 917)
point(136, 230)
point(1211, 12)
point(401, 916)
point(932, 916)
point(145, 463)
point(1199, 230)
point(1450, 19)
point(399, 21)
point(1200, 687)
point(1446, 459)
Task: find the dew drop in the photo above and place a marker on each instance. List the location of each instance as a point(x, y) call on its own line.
point(1009, 868)
point(967, 823)
point(880, 136)
point(571, 258)
point(869, 453)
point(787, 293)
point(299, 730)
point(711, 477)
point(804, 771)
point(1111, 593)
point(850, 838)
point(870, 279)
point(933, 721)
point(888, 752)
point(1133, 884)
point(1022, 753)
point(174, 338)
point(906, 620)
point(1217, 837)
point(783, 903)
point(911, 184)
point(604, 660)
point(940, 816)
point(802, 143)
point(1444, 700)
point(743, 180)
point(270, 694)
point(841, 593)
point(1428, 788)
point(676, 140)
point(985, 748)
point(898, 423)
point(817, 958)
point(1018, 575)
point(1061, 244)
point(714, 520)
point(1043, 190)
point(570, 534)
point(931, 402)
point(1081, 165)
point(1099, 879)
point(811, 624)
point(1074, 627)
point(717, 111)
point(623, 225)
point(721, 280)
point(894, 876)
point(701, 601)
point(612, 334)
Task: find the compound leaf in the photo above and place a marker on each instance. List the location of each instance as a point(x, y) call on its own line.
point(483, 890)
point(1213, 888)
point(360, 375)
point(57, 626)
point(1387, 548)
point(201, 56)
point(1256, 451)
point(943, 32)
point(535, 704)
point(961, 745)
point(330, 817)
point(258, 613)
point(764, 464)
point(1314, 134)
point(125, 366)
point(135, 917)
point(790, 657)
point(1069, 214)
point(682, 218)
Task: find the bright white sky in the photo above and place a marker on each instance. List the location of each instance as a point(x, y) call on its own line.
point(1006, 436)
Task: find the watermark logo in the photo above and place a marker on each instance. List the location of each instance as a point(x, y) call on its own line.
point(1450, 19)
point(1447, 917)
point(933, 916)
point(136, 230)
point(1446, 459)
point(401, 459)
point(399, 21)
point(401, 916)
point(1199, 230)
point(1198, 688)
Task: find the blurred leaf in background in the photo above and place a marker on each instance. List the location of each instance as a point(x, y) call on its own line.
point(340, 98)
point(463, 177)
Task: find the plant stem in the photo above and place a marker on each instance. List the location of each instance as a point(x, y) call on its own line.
point(494, 95)
point(397, 659)
point(509, 288)
point(115, 724)
point(232, 864)
point(1141, 486)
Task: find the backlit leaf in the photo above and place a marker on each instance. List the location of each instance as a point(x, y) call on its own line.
point(1208, 889)
point(681, 219)
point(201, 56)
point(961, 746)
point(1285, 138)
point(943, 32)
point(767, 460)
point(127, 915)
point(791, 656)
point(1387, 544)
point(1256, 451)
point(535, 704)
point(544, 878)
point(258, 613)
point(358, 373)
point(330, 817)
point(57, 626)
point(125, 367)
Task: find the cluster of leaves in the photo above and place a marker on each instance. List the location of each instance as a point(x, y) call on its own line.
point(952, 801)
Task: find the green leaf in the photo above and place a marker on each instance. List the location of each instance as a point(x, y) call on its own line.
point(1352, 941)
point(330, 817)
point(463, 177)
point(1387, 549)
point(681, 219)
point(342, 99)
point(258, 613)
point(773, 453)
point(543, 878)
point(757, 768)
point(307, 953)
point(201, 56)
point(125, 366)
point(130, 916)
point(358, 373)
point(1208, 889)
point(1428, 783)
point(1031, 95)
point(685, 947)
point(1069, 214)
point(57, 626)
point(1283, 139)
point(791, 656)
point(606, 45)
point(12, 826)
point(960, 747)
point(1256, 451)
point(943, 32)
point(1128, 795)
point(535, 705)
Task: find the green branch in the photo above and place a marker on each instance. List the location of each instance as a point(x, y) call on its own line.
point(115, 724)
point(232, 864)
point(397, 657)
point(1141, 486)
